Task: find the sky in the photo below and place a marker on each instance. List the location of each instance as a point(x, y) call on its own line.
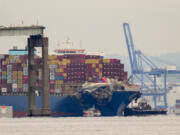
point(155, 24)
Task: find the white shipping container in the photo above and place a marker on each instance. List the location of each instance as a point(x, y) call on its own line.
point(57, 90)
point(25, 89)
point(25, 71)
point(9, 81)
point(14, 85)
point(52, 78)
point(14, 81)
point(14, 89)
point(4, 90)
point(9, 66)
point(52, 73)
point(53, 66)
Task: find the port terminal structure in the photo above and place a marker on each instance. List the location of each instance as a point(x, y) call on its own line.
point(35, 39)
point(147, 79)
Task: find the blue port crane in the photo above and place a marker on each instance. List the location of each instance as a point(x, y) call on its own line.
point(146, 72)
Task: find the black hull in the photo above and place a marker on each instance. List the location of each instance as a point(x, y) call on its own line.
point(115, 106)
point(71, 105)
point(135, 112)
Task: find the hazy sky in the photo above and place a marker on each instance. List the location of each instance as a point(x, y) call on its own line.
point(155, 24)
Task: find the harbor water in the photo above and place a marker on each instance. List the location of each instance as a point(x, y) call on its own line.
point(151, 125)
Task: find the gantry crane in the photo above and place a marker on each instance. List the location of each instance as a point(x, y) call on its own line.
point(147, 78)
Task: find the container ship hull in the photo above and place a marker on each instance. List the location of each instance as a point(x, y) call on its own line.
point(70, 105)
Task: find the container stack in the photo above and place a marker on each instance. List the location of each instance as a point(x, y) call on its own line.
point(4, 79)
point(112, 68)
point(4, 73)
point(76, 73)
point(75, 68)
point(14, 73)
point(9, 78)
point(64, 71)
point(25, 78)
point(93, 69)
point(14, 77)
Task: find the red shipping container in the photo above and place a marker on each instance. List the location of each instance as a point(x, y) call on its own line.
point(4, 67)
point(26, 81)
point(4, 82)
point(51, 90)
point(89, 66)
point(62, 66)
point(52, 82)
point(20, 89)
point(58, 74)
point(25, 77)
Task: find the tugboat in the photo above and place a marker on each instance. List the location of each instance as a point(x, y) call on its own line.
point(143, 109)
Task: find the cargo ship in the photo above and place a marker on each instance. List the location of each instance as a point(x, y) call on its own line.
point(70, 70)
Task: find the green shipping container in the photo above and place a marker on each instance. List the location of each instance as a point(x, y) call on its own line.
point(4, 77)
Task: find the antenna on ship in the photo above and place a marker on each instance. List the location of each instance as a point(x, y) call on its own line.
point(68, 42)
point(58, 43)
point(80, 44)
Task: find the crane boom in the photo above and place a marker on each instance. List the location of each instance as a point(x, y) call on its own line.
point(148, 79)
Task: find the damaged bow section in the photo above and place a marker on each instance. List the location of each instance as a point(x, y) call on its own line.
point(110, 98)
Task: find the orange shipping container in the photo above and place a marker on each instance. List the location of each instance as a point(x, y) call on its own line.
point(100, 65)
point(97, 70)
point(52, 57)
point(65, 74)
point(106, 60)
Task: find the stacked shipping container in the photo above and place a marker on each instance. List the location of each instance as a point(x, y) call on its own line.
point(13, 73)
point(65, 71)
